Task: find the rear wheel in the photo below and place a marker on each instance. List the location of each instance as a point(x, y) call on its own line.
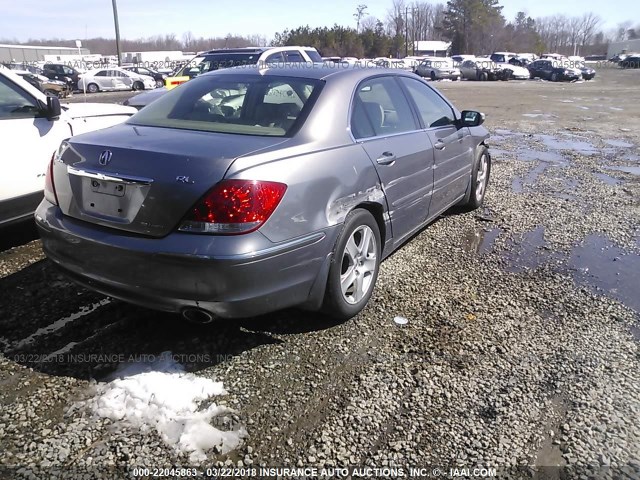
point(159, 83)
point(433, 76)
point(138, 86)
point(92, 88)
point(554, 77)
point(354, 267)
point(479, 179)
point(483, 76)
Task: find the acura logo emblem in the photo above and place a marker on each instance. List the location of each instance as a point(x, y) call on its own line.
point(105, 157)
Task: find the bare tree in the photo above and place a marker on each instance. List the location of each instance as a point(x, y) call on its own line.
point(359, 15)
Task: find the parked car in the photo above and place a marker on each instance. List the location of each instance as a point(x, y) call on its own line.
point(63, 73)
point(317, 175)
point(157, 76)
point(631, 61)
point(546, 69)
point(502, 57)
point(588, 73)
point(485, 69)
point(32, 126)
point(114, 78)
point(461, 58)
point(233, 57)
point(46, 86)
point(438, 69)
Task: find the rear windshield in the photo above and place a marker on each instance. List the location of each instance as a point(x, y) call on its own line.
point(240, 104)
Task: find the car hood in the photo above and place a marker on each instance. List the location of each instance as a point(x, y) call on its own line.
point(85, 110)
point(144, 99)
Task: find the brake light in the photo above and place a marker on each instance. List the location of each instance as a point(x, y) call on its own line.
point(234, 207)
point(49, 186)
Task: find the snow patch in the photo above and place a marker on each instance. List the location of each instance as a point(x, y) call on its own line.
point(401, 320)
point(160, 395)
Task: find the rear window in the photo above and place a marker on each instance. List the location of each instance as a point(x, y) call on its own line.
point(239, 104)
point(314, 56)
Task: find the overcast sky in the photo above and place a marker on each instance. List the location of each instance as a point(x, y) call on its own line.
point(73, 19)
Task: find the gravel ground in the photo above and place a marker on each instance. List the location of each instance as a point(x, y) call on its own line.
point(520, 352)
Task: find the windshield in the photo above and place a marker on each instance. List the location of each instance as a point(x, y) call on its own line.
point(214, 61)
point(239, 104)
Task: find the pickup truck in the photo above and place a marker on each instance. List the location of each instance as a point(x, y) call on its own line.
point(32, 126)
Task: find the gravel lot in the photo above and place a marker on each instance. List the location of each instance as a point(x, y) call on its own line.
point(520, 352)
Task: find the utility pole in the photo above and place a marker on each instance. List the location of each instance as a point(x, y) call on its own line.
point(406, 31)
point(115, 21)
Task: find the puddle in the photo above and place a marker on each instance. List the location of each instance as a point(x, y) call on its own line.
point(607, 179)
point(618, 143)
point(480, 240)
point(635, 332)
point(632, 170)
point(585, 148)
point(549, 157)
point(598, 264)
point(530, 253)
point(538, 115)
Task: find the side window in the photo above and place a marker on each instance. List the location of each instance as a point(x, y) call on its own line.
point(14, 103)
point(275, 58)
point(433, 110)
point(101, 73)
point(380, 108)
point(294, 56)
point(67, 70)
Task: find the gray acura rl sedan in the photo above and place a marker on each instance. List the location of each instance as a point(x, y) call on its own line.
point(248, 190)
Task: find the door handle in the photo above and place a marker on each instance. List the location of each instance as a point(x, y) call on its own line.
point(440, 145)
point(387, 158)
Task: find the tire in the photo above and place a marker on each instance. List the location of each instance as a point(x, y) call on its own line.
point(455, 79)
point(138, 86)
point(506, 76)
point(433, 76)
point(479, 173)
point(353, 271)
point(93, 88)
point(159, 83)
point(483, 76)
point(554, 77)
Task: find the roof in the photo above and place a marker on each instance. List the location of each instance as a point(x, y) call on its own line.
point(41, 47)
point(317, 71)
point(432, 45)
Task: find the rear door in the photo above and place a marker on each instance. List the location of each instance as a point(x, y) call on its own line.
point(453, 146)
point(383, 123)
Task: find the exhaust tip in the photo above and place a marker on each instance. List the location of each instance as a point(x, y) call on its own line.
point(197, 315)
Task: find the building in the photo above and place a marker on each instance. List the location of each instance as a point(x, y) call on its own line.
point(31, 53)
point(626, 46)
point(432, 48)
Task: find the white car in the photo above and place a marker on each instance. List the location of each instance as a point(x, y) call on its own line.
point(114, 78)
point(438, 68)
point(32, 126)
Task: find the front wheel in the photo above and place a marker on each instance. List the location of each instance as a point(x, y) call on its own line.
point(92, 88)
point(479, 179)
point(354, 267)
point(554, 77)
point(159, 83)
point(138, 86)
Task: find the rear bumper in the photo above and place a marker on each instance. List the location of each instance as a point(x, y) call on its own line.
point(179, 271)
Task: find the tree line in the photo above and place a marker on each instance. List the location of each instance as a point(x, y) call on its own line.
point(472, 26)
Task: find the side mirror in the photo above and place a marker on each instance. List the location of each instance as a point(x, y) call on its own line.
point(53, 108)
point(471, 118)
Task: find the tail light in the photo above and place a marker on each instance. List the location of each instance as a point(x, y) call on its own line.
point(49, 186)
point(234, 206)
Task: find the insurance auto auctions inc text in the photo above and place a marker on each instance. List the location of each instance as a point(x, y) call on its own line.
point(363, 472)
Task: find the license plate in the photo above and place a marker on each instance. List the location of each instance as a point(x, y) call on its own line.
point(116, 189)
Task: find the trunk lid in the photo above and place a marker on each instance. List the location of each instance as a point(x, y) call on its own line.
point(151, 177)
